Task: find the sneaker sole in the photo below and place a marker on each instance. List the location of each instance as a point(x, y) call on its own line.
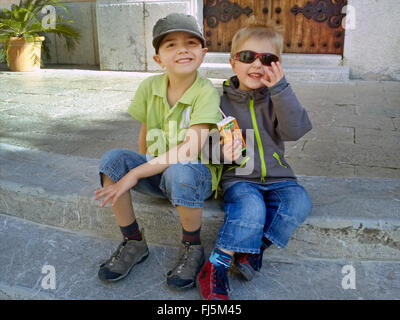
point(129, 270)
point(245, 272)
point(184, 288)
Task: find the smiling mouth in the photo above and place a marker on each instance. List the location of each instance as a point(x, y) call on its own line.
point(255, 75)
point(184, 60)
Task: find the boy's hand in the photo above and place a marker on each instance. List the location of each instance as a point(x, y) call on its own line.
point(232, 150)
point(113, 192)
point(273, 74)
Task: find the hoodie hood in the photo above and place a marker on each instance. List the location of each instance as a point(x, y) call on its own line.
point(232, 91)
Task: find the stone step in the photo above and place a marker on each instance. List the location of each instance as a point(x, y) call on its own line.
point(288, 59)
point(31, 253)
point(298, 67)
point(307, 70)
point(353, 218)
point(321, 74)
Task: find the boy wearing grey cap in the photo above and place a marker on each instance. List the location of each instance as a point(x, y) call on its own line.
point(177, 105)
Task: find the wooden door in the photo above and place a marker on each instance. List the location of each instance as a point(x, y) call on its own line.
point(311, 26)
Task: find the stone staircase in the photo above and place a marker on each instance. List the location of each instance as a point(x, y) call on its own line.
point(48, 217)
point(298, 67)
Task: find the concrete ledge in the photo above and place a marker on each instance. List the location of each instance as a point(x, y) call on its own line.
point(353, 218)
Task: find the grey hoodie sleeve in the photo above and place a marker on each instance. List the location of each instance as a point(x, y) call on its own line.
point(279, 87)
point(292, 119)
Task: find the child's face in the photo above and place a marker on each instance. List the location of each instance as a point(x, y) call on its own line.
point(180, 53)
point(250, 74)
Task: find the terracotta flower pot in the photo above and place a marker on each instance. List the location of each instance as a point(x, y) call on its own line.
point(24, 56)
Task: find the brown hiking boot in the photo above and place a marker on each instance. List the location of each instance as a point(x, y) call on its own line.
point(128, 254)
point(190, 261)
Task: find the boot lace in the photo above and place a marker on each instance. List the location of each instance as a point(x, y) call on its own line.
point(117, 254)
point(183, 258)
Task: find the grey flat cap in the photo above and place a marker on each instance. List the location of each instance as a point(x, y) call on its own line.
point(176, 22)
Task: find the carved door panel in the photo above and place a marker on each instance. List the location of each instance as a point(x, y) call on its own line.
point(311, 26)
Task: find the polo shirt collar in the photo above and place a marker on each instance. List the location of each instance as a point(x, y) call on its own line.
point(160, 89)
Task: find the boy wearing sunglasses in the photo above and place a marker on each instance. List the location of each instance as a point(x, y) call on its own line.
point(267, 205)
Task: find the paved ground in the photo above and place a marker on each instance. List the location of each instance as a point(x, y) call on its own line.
point(76, 258)
point(84, 113)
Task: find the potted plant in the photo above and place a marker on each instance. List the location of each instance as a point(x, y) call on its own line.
point(22, 31)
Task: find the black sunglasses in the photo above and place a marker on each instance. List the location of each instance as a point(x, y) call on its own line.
point(248, 56)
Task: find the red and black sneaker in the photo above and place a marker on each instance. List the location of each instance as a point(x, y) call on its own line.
point(213, 282)
point(248, 263)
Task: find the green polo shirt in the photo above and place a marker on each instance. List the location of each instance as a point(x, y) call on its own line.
point(167, 126)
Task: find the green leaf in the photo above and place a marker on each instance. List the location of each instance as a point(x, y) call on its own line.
point(24, 20)
point(2, 55)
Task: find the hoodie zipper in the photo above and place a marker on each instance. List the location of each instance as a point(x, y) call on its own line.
point(258, 138)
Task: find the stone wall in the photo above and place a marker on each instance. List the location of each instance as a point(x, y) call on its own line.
point(125, 30)
point(86, 53)
point(84, 15)
point(372, 48)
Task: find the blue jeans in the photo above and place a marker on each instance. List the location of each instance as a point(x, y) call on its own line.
point(252, 211)
point(186, 184)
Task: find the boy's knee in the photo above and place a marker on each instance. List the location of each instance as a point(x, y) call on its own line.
point(186, 182)
point(249, 208)
point(109, 157)
point(245, 204)
point(127, 159)
point(301, 205)
point(182, 175)
point(307, 206)
point(116, 163)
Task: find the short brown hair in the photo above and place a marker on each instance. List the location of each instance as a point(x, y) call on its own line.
point(271, 33)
